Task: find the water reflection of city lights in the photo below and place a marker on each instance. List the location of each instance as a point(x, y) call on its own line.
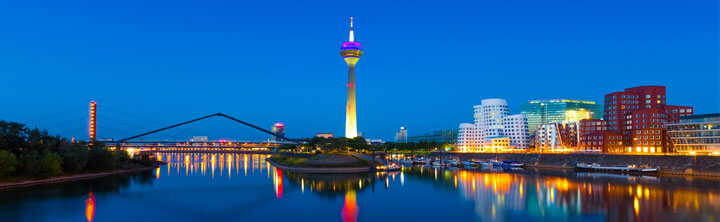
point(492, 192)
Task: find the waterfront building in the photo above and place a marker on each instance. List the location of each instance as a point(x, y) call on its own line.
point(638, 115)
point(401, 137)
point(439, 136)
point(351, 52)
point(493, 121)
point(540, 112)
point(556, 137)
point(279, 129)
point(601, 141)
point(696, 134)
point(325, 135)
point(468, 138)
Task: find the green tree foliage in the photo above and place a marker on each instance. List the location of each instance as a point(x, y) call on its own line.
point(29, 164)
point(100, 160)
point(75, 157)
point(333, 145)
point(33, 153)
point(7, 163)
point(50, 165)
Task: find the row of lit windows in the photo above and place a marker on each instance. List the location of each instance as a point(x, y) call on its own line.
point(648, 132)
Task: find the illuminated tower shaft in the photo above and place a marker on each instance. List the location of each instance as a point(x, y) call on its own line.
point(351, 52)
point(93, 121)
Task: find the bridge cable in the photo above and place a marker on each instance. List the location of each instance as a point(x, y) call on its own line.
point(131, 125)
point(73, 108)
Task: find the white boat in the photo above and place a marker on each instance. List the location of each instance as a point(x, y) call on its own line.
point(511, 163)
point(439, 163)
point(496, 162)
point(389, 167)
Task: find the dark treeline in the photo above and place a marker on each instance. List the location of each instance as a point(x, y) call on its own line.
point(342, 144)
point(34, 154)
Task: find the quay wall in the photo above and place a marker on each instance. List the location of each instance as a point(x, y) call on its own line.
point(671, 164)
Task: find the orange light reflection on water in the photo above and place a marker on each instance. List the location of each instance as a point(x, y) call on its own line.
point(90, 207)
point(350, 210)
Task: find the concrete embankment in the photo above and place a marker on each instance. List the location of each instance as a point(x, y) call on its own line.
point(84, 176)
point(669, 164)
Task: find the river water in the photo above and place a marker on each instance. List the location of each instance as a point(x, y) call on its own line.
point(244, 187)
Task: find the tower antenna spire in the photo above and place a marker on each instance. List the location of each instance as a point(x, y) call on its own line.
point(352, 34)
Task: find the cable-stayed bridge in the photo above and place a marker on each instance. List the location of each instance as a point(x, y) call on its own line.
point(131, 132)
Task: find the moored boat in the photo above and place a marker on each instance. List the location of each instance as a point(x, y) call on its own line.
point(389, 167)
point(511, 163)
point(622, 168)
point(419, 161)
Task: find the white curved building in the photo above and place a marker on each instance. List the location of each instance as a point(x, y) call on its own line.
point(492, 122)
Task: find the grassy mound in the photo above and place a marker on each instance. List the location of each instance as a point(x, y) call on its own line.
point(321, 161)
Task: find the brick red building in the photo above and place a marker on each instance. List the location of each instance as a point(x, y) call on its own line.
point(601, 141)
point(588, 126)
point(637, 110)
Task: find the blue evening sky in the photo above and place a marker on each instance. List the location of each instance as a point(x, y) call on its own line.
point(426, 63)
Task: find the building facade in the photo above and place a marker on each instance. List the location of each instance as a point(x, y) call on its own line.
point(697, 134)
point(540, 112)
point(401, 137)
point(601, 141)
point(556, 137)
point(439, 136)
point(325, 135)
point(492, 121)
point(638, 115)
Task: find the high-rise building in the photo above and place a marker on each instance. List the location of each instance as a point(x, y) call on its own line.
point(540, 112)
point(696, 134)
point(638, 114)
point(278, 129)
point(351, 52)
point(401, 137)
point(492, 122)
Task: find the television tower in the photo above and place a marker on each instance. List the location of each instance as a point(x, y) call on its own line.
point(351, 52)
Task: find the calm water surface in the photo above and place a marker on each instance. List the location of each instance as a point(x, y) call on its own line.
point(240, 187)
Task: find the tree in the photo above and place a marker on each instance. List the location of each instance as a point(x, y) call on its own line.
point(7, 163)
point(50, 165)
point(75, 157)
point(100, 160)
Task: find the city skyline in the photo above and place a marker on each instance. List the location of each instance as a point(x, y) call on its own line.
point(148, 64)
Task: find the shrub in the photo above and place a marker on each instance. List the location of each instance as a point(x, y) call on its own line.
point(28, 164)
point(7, 163)
point(100, 159)
point(75, 157)
point(50, 165)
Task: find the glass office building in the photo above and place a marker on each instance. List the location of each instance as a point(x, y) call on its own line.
point(697, 134)
point(540, 112)
point(443, 136)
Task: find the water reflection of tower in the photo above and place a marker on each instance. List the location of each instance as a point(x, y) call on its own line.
point(279, 129)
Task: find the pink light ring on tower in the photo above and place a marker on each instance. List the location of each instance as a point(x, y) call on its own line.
point(351, 46)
